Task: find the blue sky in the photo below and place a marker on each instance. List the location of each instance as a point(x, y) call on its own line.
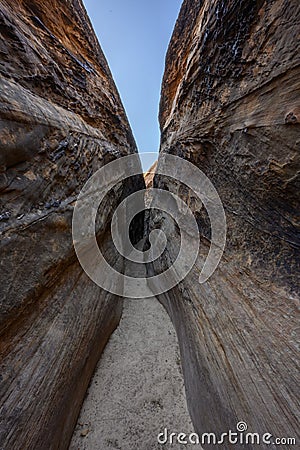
point(134, 35)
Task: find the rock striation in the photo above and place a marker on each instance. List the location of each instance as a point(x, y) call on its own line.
point(230, 104)
point(61, 120)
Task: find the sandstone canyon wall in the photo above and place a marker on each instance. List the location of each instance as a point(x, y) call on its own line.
point(61, 120)
point(230, 104)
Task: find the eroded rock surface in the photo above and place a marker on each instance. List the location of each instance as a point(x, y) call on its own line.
point(61, 120)
point(230, 104)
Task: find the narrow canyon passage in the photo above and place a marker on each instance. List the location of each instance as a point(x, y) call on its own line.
point(78, 372)
point(137, 389)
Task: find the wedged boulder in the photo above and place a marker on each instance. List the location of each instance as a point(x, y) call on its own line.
point(230, 105)
point(61, 119)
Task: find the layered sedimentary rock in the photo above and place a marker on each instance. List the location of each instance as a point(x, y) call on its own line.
point(148, 176)
point(61, 120)
point(230, 104)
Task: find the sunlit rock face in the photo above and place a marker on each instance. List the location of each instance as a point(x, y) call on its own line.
point(230, 104)
point(61, 120)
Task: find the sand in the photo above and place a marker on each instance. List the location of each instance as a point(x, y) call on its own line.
point(137, 389)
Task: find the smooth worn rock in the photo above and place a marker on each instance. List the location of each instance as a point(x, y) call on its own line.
point(61, 120)
point(230, 104)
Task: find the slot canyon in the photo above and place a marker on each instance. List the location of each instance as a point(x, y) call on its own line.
point(230, 106)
